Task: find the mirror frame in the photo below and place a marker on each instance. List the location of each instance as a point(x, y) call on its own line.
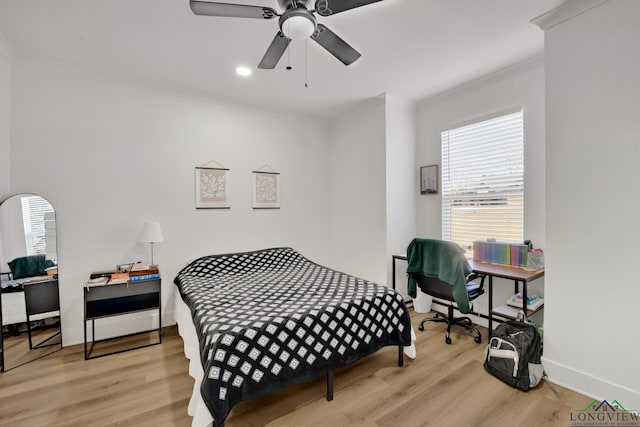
point(46, 286)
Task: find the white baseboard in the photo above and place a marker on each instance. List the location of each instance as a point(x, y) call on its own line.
point(590, 385)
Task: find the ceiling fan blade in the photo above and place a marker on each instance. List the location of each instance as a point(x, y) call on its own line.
point(331, 7)
point(335, 45)
point(231, 10)
point(274, 52)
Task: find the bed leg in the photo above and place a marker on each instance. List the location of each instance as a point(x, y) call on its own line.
point(400, 356)
point(329, 386)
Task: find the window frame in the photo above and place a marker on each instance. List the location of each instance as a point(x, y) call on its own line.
point(507, 189)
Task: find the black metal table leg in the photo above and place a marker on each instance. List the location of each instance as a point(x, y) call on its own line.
point(490, 306)
point(524, 297)
point(393, 272)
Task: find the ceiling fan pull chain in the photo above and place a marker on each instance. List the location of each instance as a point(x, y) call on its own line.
point(289, 57)
point(306, 63)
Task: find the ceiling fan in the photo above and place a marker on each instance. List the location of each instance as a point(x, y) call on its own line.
point(297, 21)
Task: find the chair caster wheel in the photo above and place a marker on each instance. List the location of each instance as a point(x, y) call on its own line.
point(447, 340)
point(478, 339)
point(421, 327)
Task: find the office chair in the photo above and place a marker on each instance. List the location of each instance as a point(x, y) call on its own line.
point(442, 290)
point(440, 269)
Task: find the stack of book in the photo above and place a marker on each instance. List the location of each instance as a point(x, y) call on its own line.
point(97, 281)
point(144, 274)
point(533, 300)
point(505, 253)
point(117, 278)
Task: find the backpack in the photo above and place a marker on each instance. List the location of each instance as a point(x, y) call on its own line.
point(513, 354)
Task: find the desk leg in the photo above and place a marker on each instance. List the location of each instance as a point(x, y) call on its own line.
point(393, 272)
point(524, 299)
point(490, 306)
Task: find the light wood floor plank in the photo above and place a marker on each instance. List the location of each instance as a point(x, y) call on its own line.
point(445, 385)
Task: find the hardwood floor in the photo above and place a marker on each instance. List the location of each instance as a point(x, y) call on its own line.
point(16, 348)
point(445, 385)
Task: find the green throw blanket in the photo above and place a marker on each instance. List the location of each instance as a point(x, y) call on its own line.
point(444, 260)
point(29, 266)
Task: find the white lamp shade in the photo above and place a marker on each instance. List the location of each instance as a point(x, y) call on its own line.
point(151, 232)
point(298, 27)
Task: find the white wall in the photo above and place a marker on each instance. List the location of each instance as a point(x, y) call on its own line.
point(402, 184)
point(110, 156)
point(593, 148)
point(519, 86)
point(5, 125)
point(13, 243)
point(6, 56)
point(358, 192)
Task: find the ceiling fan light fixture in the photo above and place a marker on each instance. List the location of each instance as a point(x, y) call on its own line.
point(298, 24)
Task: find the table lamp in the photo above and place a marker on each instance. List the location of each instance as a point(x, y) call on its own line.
point(151, 233)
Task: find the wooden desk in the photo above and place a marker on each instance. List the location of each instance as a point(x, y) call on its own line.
point(494, 270)
point(511, 273)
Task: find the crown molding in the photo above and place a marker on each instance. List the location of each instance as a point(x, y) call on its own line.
point(493, 77)
point(6, 50)
point(567, 10)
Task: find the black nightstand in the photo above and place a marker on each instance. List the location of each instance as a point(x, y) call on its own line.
point(117, 299)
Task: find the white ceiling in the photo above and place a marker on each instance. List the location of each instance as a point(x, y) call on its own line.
point(411, 49)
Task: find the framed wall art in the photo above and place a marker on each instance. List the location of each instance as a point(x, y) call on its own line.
point(212, 188)
point(266, 190)
point(429, 179)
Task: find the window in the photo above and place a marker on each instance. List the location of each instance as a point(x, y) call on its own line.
point(35, 213)
point(483, 181)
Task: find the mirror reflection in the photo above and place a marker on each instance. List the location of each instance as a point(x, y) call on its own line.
point(30, 302)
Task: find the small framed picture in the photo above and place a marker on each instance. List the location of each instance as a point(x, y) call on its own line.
point(266, 190)
point(124, 268)
point(212, 188)
point(429, 179)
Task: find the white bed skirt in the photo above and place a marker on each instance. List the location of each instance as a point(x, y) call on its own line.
point(187, 330)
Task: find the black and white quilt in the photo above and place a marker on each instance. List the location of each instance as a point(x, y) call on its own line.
point(271, 318)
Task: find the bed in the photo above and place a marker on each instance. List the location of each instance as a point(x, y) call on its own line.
point(257, 322)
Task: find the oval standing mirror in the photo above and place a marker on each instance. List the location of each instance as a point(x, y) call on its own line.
point(29, 298)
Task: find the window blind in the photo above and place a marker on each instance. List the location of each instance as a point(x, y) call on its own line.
point(33, 217)
point(483, 181)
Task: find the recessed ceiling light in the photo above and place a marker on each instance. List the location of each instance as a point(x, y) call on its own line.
point(243, 71)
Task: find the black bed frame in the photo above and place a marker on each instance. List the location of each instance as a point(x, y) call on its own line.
point(330, 380)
